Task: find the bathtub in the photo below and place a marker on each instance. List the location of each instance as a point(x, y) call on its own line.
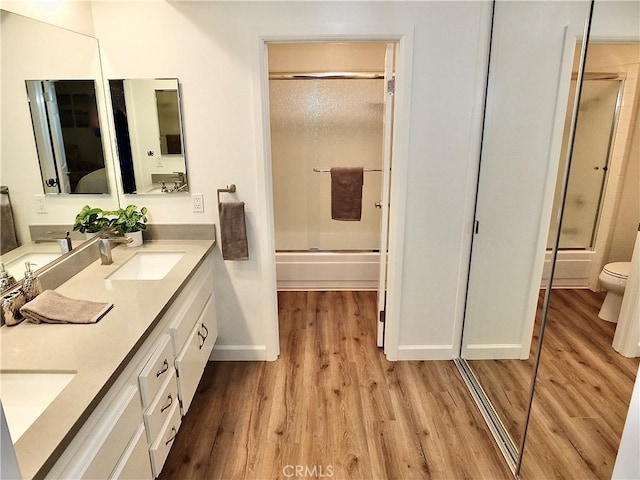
point(573, 268)
point(327, 270)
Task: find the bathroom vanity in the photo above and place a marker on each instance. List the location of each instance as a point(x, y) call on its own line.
point(125, 382)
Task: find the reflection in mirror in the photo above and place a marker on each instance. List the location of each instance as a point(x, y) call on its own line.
point(169, 122)
point(67, 134)
point(530, 69)
point(586, 373)
point(66, 65)
point(148, 125)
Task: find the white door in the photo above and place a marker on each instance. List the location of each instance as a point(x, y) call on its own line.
point(40, 121)
point(389, 82)
point(57, 139)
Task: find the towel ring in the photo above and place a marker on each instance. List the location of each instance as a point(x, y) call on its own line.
point(231, 188)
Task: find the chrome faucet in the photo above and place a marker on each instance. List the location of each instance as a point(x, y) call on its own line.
point(179, 185)
point(61, 238)
point(105, 244)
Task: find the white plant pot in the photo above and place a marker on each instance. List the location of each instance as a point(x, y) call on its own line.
point(137, 239)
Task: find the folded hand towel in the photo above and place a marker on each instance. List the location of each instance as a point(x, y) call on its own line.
point(346, 193)
point(233, 231)
point(51, 307)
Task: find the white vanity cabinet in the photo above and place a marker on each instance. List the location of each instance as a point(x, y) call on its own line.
point(195, 353)
point(194, 332)
point(129, 434)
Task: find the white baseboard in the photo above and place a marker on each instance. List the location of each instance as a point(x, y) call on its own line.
point(492, 352)
point(239, 353)
point(427, 352)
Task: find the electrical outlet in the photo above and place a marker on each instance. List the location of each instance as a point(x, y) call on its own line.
point(41, 204)
point(198, 202)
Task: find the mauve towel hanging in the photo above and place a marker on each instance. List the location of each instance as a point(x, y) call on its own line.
point(233, 231)
point(346, 193)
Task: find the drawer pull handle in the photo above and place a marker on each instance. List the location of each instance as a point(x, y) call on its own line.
point(170, 398)
point(174, 432)
point(203, 339)
point(206, 332)
point(165, 367)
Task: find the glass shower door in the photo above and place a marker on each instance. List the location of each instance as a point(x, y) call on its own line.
point(319, 124)
point(594, 134)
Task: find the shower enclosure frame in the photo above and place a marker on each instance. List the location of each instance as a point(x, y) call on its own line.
point(402, 36)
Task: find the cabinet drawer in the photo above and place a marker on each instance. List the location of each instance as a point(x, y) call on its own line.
point(156, 415)
point(134, 463)
point(118, 428)
point(157, 369)
point(160, 448)
point(186, 319)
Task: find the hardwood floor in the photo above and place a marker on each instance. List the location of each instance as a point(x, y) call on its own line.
point(582, 394)
point(332, 406)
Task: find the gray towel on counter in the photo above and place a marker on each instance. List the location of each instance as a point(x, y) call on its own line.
point(346, 193)
point(233, 231)
point(51, 307)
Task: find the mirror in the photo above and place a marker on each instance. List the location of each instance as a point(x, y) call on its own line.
point(585, 379)
point(149, 136)
point(529, 77)
point(36, 55)
point(66, 128)
point(540, 359)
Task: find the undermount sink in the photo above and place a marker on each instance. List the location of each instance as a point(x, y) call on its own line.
point(147, 266)
point(40, 259)
point(26, 394)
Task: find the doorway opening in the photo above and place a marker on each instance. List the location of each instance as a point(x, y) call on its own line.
point(331, 107)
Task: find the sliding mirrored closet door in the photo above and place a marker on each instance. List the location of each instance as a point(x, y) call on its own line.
point(534, 48)
point(554, 206)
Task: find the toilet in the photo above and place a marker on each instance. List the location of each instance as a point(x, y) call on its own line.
point(613, 279)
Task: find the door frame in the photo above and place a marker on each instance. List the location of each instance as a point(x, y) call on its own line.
point(402, 35)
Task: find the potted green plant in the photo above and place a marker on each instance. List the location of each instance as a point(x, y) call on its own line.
point(131, 222)
point(91, 220)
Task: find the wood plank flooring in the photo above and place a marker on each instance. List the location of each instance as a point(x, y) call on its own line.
point(582, 394)
point(332, 406)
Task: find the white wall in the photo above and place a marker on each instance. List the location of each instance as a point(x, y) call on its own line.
point(73, 15)
point(213, 49)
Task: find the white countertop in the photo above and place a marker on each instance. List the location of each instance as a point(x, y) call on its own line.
point(97, 352)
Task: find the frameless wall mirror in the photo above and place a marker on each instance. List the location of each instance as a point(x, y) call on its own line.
point(66, 128)
point(62, 69)
point(149, 135)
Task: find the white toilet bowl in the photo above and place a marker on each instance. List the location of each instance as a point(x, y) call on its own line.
point(613, 279)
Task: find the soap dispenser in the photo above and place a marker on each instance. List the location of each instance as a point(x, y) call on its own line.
point(31, 283)
point(6, 279)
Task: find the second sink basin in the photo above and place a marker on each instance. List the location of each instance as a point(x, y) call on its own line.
point(25, 395)
point(147, 266)
point(40, 259)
